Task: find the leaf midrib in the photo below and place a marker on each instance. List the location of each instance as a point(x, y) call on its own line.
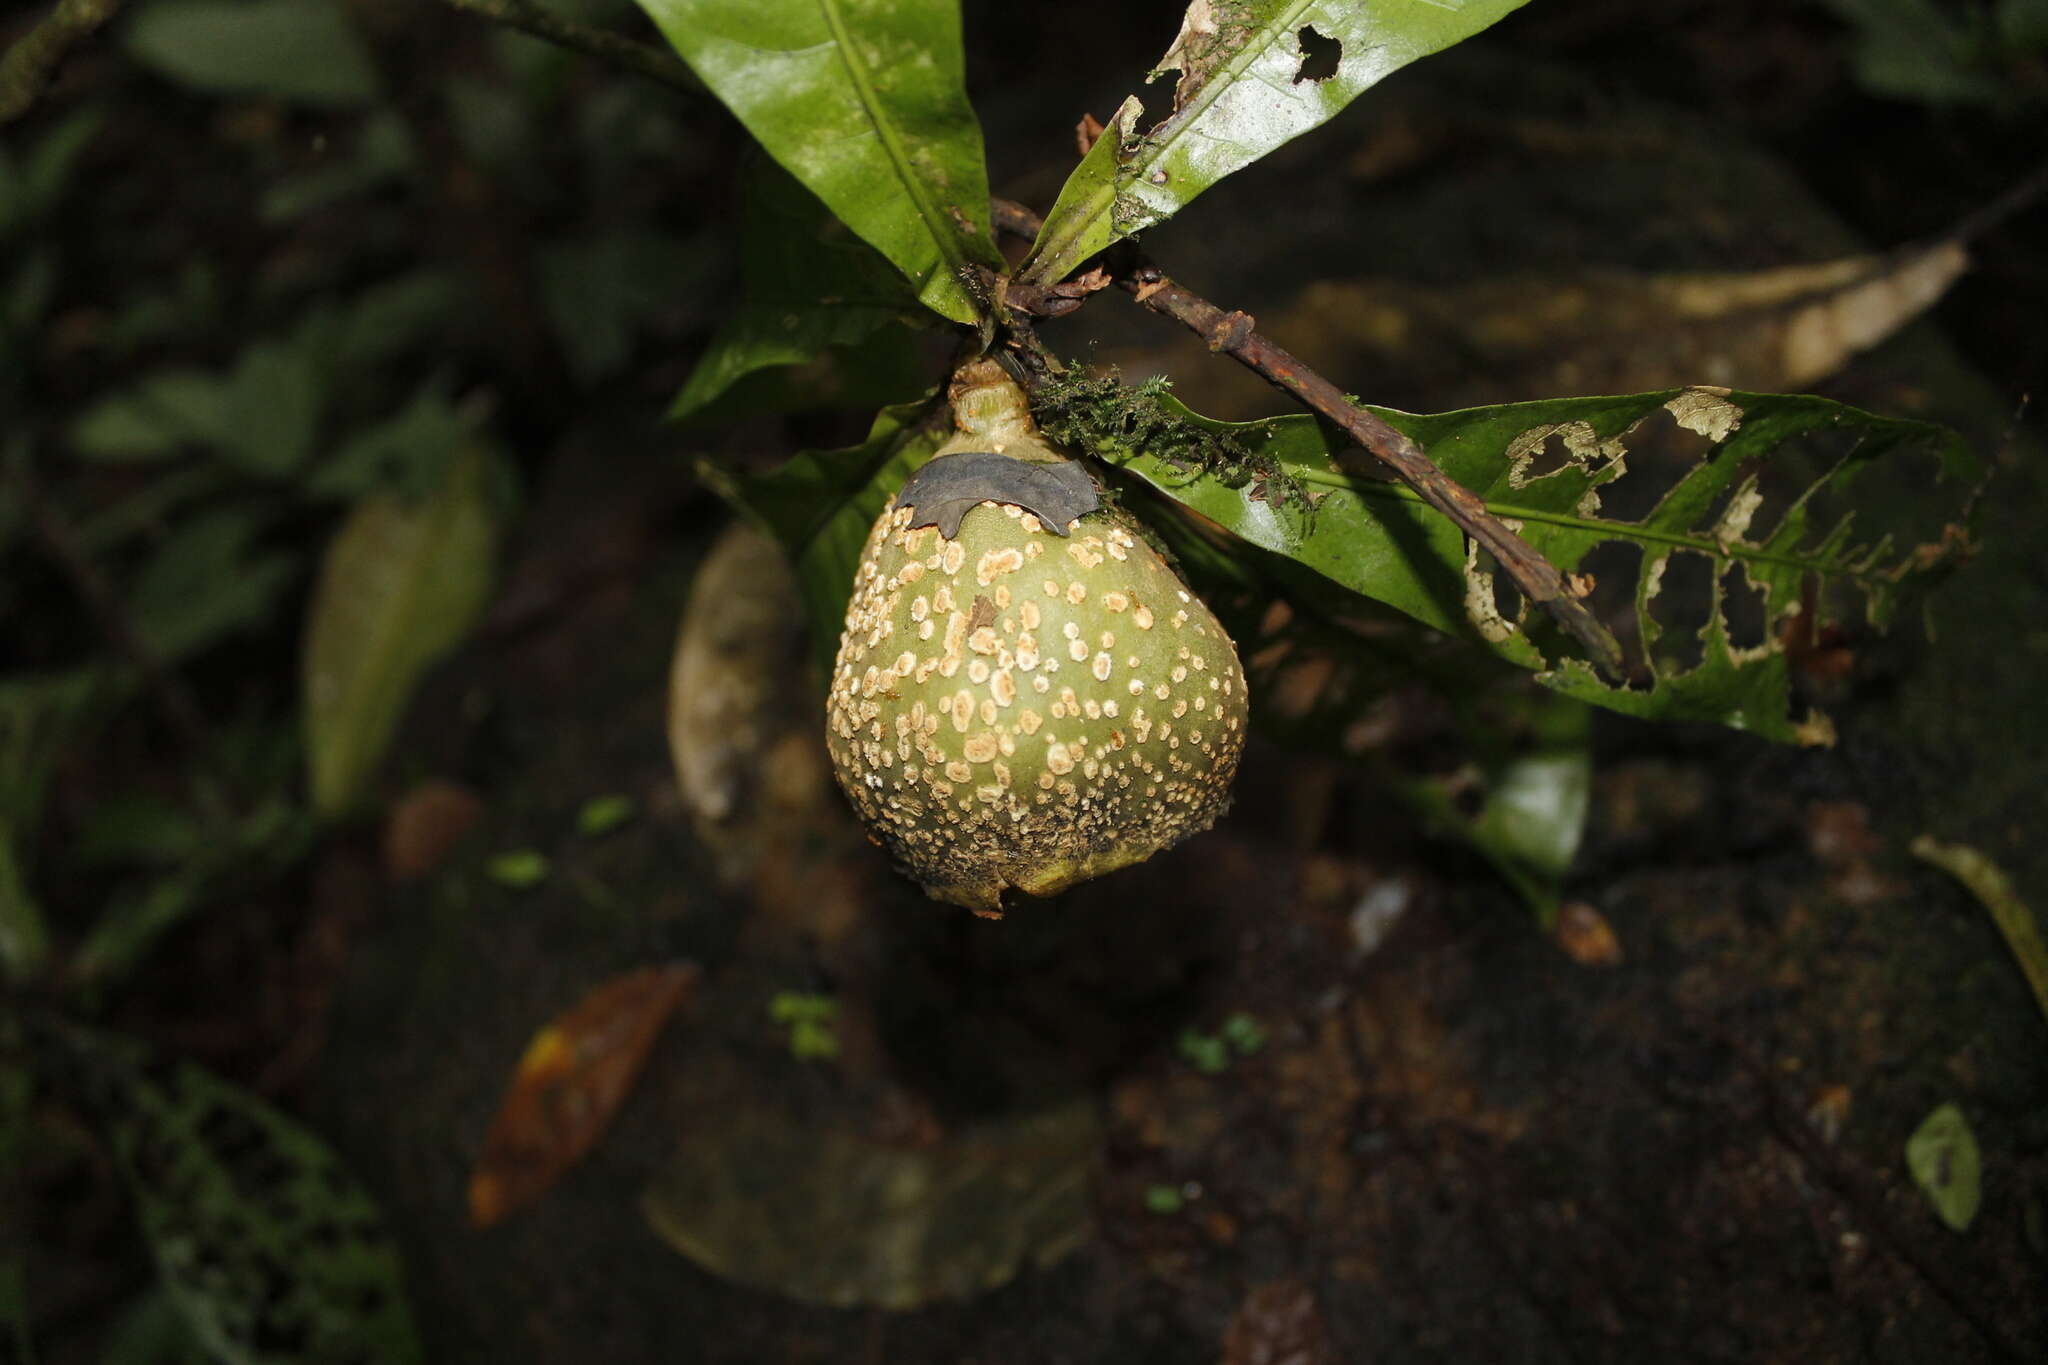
point(1102, 203)
point(937, 226)
point(1612, 530)
point(1184, 117)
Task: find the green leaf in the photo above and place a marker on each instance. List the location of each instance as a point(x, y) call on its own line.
point(1942, 1155)
point(809, 287)
point(165, 413)
point(273, 409)
point(1533, 785)
point(521, 869)
point(603, 814)
point(24, 938)
point(1793, 497)
point(1914, 50)
point(28, 293)
point(32, 190)
point(1164, 1199)
point(207, 581)
point(303, 51)
point(137, 827)
point(820, 504)
point(272, 1252)
point(1994, 890)
point(136, 919)
point(1248, 84)
point(393, 316)
point(152, 1331)
point(600, 290)
point(383, 151)
point(17, 1092)
point(863, 101)
point(400, 586)
point(407, 452)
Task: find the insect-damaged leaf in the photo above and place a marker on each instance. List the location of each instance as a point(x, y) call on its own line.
point(1252, 76)
point(945, 490)
point(863, 101)
point(271, 1251)
point(1831, 532)
point(399, 587)
point(572, 1079)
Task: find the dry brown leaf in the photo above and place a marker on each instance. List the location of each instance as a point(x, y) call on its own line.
point(736, 687)
point(1279, 1323)
point(425, 825)
point(571, 1081)
point(1586, 936)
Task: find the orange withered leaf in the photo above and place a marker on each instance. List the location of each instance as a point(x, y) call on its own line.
point(575, 1074)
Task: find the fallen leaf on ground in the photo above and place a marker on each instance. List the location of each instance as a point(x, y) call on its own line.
point(1279, 1324)
point(425, 825)
point(1942, 1154)
point(1586, 936)
point(574, 1076)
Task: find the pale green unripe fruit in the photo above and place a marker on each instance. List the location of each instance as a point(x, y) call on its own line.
point(1015, 708)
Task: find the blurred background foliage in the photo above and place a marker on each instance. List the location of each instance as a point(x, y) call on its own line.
point(284, 275)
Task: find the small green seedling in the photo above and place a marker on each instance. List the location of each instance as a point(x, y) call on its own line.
point(810, 1019)
point(1209, 1053)
point(603, 814)
point(520, 869)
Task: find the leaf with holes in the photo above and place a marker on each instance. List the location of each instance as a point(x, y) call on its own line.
point(812, 292)
point(1787, 515)
point(1504, 767)
point(271, 1251)
point(1253, 75)
point(863, 101)
point(400, 586)
point(820, 504)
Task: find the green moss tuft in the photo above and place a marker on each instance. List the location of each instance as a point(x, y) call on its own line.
point(1104, 414)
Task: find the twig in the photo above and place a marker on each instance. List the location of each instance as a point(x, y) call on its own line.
point(31, 63)
point(1232, 334)
point(644, 58)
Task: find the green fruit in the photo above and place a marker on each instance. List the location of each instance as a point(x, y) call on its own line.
point(1016, 708)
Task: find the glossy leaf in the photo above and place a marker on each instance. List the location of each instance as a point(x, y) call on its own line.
point(400, 586)
point(819, 506)
point(299, 50)
point(809, 287)
point(863, 101)
point(1809, 460)
point(271, 1251)
point(1250, 80)
point(575, 1074)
